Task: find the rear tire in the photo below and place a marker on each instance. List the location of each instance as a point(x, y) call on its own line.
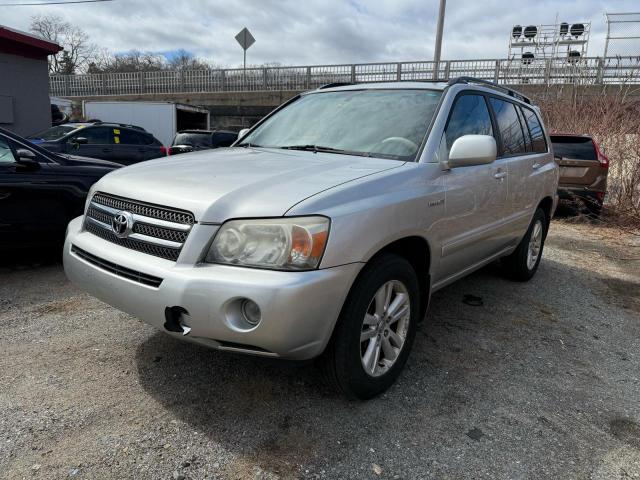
point(374, 334)
point(523, 263)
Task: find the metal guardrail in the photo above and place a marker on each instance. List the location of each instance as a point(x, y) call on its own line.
point(585, 71)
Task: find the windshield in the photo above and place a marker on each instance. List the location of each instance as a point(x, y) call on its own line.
point(377, 123)
point(193, 139)
point(54, 133)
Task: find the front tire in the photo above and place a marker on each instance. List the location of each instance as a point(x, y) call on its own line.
point(374, 334)
point(523, 263)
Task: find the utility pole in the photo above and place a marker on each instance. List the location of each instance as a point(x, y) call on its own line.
point(438, 49)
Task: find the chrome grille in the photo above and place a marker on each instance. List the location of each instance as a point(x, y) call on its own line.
point(146, 209)
point(155, 230)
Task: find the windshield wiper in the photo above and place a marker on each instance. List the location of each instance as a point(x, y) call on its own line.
point(320, 148)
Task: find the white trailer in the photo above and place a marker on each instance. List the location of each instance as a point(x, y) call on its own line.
point(162, 119)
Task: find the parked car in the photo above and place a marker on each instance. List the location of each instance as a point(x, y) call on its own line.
point(187, 141)
point(123, 144)
point(583, 169)
point(41, 191)
point(325, 229)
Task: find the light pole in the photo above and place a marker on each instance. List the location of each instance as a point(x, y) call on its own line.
point(439, 30)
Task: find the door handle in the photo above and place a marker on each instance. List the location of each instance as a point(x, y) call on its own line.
point(536, 166)
point(106, 150)
point(500, 175)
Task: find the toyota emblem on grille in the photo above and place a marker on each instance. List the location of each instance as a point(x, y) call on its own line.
point(122, 224)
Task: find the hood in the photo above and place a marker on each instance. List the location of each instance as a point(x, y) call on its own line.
point(87, 161)
point(238, 182)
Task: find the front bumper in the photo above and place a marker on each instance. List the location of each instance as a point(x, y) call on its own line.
point(299, 309)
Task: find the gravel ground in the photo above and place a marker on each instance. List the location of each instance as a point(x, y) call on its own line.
point(541, 381)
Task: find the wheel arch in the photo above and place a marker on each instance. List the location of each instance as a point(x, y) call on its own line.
point(546, 204)
point(417, 251)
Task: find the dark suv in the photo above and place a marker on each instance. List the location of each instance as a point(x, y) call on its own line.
point(124, 144)
point(187, 141)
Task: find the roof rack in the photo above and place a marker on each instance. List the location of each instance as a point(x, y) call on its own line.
point(100, 122)
point(488, 83)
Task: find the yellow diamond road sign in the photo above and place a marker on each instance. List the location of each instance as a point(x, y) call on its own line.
point(245, 39)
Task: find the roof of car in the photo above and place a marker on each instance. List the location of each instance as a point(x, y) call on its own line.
point(569, 134)
point(104, 124)
point(384, 86)
point(195, 130)
point(469, 82)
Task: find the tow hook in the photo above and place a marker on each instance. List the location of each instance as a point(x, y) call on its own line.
point(175, 321)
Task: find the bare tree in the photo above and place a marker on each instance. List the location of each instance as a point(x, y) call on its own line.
point(133, 61)
point(184, 60)
point(77, 51)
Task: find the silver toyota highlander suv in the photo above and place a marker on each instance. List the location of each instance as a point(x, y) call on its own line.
point(325, 228)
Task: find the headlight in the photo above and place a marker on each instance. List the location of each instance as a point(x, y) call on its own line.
point(295, 243)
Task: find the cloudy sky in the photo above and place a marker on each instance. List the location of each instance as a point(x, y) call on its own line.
point(317, 31)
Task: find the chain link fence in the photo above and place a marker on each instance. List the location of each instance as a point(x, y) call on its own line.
point(623, 34)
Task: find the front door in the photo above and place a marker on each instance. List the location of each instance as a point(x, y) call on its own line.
point(29, 207)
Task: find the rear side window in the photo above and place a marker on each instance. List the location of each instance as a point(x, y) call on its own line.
point(130, 137)
point(223, 139)
point(538, 143)
point(193, 139)
point(94, 135)
point(578, 148)
point(513, 140)
point(469, 116)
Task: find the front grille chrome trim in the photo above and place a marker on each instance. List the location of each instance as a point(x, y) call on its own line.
point(155, 241)
point(115, 269)
point(99, 223)
point(140, 237)
point(143, 219)
point(153, 229)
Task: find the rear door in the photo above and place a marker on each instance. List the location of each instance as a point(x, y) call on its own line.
point(132, 146)
point(99, 143)
point(515, 149)
point(579, 164)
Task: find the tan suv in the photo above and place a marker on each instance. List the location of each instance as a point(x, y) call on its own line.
point(583, 169)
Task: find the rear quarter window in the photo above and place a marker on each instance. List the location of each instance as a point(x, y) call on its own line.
point(578, 148)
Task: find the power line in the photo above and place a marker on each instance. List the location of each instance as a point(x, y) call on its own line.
point(50, 3)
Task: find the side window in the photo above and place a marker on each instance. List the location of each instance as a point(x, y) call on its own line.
point(469, 116)
point(525, 130)
point(6, 154)
point(131, 137)
point(513, 142)
point(538, 141)
point(223, 139)
point(95, 135)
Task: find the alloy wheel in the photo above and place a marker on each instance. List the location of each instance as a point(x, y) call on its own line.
point(384, 328)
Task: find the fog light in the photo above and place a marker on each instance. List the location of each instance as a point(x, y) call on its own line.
point(250, 311)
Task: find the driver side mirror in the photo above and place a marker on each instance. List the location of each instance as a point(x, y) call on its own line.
point(471, 150)
point(80, 141)
point(243, 132)
point(27, 159)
